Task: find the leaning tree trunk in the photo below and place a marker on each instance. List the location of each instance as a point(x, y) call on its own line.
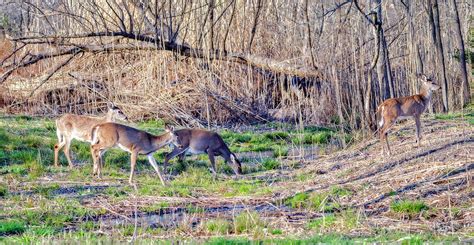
point(383, 64)
point(465, 95)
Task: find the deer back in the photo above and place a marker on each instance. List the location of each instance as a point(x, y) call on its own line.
point(78, 126)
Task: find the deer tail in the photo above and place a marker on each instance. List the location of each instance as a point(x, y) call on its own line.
point(94, 138)
point(378, 115)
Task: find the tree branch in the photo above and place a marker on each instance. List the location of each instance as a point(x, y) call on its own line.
point(154, 44)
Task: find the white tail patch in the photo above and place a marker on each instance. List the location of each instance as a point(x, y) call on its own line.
point(95, 139)
point(381, 118)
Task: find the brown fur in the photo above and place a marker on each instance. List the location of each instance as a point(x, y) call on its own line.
point(108, 135)
point(411, 106)
point(199, 141)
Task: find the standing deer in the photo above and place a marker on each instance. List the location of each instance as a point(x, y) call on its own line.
point(199, 141)
point(134, 141)
point(70, 126)
point(400, 108)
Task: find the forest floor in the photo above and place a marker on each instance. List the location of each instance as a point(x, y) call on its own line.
point(296, 187)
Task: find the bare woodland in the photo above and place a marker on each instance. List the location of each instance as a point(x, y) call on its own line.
point(208, 62)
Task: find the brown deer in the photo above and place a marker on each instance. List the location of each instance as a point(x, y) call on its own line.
point(134, 141)
point(70, 126)
point(405, 107)
point(199, 141)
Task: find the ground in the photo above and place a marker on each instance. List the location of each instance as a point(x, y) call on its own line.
point(298, 187)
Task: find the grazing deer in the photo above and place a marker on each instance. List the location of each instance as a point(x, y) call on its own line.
point(134, 141)
point(400, 108)
point(70, 126)
point(199, 141)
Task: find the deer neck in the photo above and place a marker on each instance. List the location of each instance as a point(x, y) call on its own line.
point(161, 140)
point(109, 117)
point(426, 93)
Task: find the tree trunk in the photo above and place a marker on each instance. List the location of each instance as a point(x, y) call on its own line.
point(433, 12)
point(465, 95)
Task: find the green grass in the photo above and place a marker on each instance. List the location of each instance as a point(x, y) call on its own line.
point(318, 201)
point(11, 227)
point(249, 223)
point(408, 206)
point(467, 115)
point(332, 238)
point(218, 226)
point(323, 222)
point(276, 141)
point(341, 191)
point(46, 190)
point(3, 190)
point(270, 163)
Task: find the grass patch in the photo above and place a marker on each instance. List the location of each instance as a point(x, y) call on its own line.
point(280, 151)
point(341, 191)
point(321, 202)
point(46, 191)
point(217, 226)
point(155, 207)
point(249, 223)
point(270, 163)
point(323, 222)
point(298, 201)
point(3, 190)
point(11, 227)
point(408, 206)
point(467, 115)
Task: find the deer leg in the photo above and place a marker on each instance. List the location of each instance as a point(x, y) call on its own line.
point(388, 146)
point(133, 162)
point(100, 163)
point(57, 148)
point(182, 157)
point(418, 130)
point(384, 136)
point(152, 161)
point(210, 153)
point(175, 152)
point(67, 152)
point(95, 156)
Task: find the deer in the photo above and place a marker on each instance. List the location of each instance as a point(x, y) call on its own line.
point(132, 140)
point(200, 141)
point(79, 127)
point(413, 106)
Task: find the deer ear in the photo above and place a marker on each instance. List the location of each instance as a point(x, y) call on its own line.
point(110, 105)
point(421, 76)
point(169, 128)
